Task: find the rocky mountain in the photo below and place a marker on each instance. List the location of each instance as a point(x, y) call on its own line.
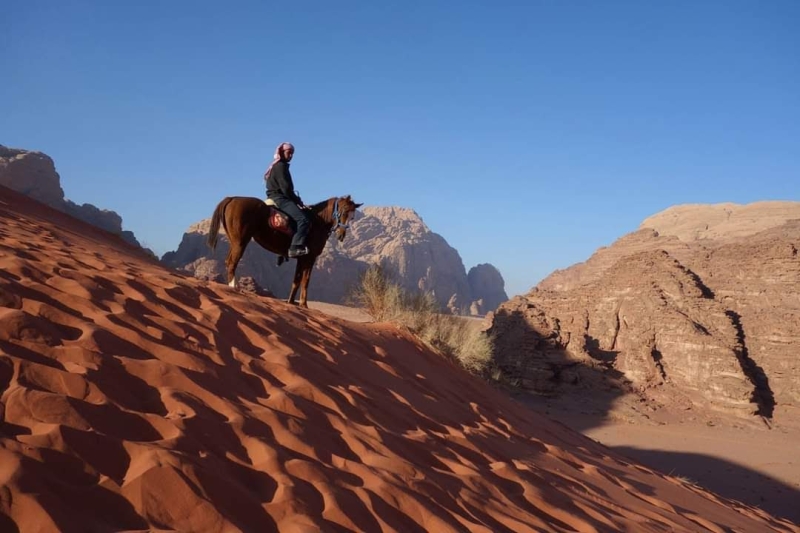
point(393, 237)
point(34, 174)
point(700, 306)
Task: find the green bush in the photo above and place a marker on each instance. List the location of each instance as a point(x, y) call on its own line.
point(454, 336)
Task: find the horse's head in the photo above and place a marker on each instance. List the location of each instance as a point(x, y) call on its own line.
point(343, 209)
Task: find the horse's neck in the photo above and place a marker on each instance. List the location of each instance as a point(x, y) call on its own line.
point(326, 213)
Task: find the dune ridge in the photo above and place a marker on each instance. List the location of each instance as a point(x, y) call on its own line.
point(137, 398)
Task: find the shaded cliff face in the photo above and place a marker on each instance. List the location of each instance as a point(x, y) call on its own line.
point(394, 237)
point(34, 174)
point(686, 311)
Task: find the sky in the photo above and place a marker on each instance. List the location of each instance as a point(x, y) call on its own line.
point(527, 134)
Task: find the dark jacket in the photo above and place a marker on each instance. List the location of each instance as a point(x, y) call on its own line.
point(279, 183)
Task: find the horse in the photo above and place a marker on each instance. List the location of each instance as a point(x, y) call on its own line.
point(244, 218)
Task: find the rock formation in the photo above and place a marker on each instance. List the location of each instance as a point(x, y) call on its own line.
point(694, 222)
point(487, 287)
point(393, 237)
point(34, 174)
point(701, 306)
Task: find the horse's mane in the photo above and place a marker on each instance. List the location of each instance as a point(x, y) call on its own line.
point(319, 208)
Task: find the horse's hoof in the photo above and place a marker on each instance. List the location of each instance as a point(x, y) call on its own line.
point(292, 302)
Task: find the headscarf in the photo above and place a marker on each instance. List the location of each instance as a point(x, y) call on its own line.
point(278, 156)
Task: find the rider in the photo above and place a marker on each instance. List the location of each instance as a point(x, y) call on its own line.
point(280, 190)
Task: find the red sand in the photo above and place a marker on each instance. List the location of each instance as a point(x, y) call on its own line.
point(135, 398)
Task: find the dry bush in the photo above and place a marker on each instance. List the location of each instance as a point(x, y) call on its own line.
point(454, 336)
point(377, 295)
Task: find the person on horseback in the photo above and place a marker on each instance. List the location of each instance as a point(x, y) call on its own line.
point(280, 189)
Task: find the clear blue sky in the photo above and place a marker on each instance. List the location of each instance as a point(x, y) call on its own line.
point(527, 134)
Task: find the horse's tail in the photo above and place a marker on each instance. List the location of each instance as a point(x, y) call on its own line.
point(216, 219)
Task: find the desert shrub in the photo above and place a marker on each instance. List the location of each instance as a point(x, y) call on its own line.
point(454, 336)
point(378, 295)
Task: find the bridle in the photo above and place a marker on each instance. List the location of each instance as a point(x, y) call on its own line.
point(337, 218)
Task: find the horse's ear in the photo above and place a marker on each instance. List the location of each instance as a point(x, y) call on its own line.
point(358, 205)
point(348, 198)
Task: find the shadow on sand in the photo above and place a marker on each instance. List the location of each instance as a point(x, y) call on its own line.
point(580, 396)
point(724, 478)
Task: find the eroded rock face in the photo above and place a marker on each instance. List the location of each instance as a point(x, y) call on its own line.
point(683, 311)
point(393, 237)
point(757, 279)
point(34, 175)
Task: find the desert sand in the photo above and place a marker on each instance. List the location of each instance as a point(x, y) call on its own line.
point(136, 398)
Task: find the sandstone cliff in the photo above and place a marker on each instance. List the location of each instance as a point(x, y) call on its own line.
point(34, 174)
point(699, 306)
point(394, 237)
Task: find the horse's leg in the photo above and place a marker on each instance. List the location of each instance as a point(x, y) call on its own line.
point(232, 261)
point(308, 266)
point(298, 273)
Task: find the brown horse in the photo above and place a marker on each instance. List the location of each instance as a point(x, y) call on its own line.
point(246, 218)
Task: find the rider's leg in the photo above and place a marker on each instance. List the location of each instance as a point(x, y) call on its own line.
point(302, 225)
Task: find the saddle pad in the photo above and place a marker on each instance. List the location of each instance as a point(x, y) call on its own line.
point(279, 221)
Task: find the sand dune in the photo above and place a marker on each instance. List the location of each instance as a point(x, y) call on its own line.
point(135, 398)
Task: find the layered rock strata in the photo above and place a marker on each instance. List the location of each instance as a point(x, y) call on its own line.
point(699, 306)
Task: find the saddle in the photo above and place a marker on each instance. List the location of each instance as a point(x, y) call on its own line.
point(278, 220)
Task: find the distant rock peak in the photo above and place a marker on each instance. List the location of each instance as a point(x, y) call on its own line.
point(34, 174)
